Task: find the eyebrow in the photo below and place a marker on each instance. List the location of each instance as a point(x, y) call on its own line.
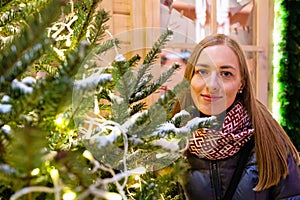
point(227, 67)
point(202, 65)
point(222, 67)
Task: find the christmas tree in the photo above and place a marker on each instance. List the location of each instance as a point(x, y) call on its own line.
point(75, 127)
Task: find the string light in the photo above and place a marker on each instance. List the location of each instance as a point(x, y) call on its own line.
point(35, 172)
point(59, 121)
point(69, 195)
point(277, 38)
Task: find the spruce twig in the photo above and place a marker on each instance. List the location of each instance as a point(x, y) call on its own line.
point(152, 55)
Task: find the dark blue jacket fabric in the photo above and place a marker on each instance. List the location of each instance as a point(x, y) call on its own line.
point(209, 180)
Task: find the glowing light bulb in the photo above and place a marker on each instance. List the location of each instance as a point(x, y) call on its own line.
point(88, 155)
point(69, 195)
point(35, 172)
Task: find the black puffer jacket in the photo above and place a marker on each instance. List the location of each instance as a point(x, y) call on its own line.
point(207, 180)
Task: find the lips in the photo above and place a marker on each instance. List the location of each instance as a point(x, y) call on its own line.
point(211, 98)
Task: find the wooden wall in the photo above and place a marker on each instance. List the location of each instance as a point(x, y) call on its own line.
point(127, 16)
point(136, 23)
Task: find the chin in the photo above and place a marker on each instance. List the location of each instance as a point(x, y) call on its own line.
point(213, 110)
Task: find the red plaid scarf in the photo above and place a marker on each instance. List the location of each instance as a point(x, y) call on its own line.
point(215, 145)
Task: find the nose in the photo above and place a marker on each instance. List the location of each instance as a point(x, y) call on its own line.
point(213, 82)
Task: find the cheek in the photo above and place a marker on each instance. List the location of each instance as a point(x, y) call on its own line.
point(231, 91)
point(197, 84)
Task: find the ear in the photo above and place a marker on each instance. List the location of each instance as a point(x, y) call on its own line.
point(242, 84)
point(241, 87)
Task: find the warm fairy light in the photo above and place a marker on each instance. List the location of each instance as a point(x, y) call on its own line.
point(88, 155)
point(35, 172)
point(112, 196)
point(71, 132)
point(138, 183)
point(277, 37)
point(59, 121)
point(136, 177)
point(54, 175)
point(69, 195)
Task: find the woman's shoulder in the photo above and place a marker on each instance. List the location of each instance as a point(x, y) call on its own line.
point(289, 187)
point(294, 168)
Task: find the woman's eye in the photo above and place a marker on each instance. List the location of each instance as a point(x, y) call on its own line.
point(226, 74)
point(202, 72)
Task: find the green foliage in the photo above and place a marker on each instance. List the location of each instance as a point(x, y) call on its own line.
point(26, 46)
point(162, 184)
point(289, 73)
point(15, 14)
point(24, 153)
point(84, 127)
point(40, 118)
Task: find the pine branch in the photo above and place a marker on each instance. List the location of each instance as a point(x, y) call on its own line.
point(74, 59)
point(25, 151)
point(17, 12)
point(146, 124)
point(158, 45)
point(28, 59)
point(18, 54)
point(124, 78)
point(147, 90)
point(124, 82)
point(152, 55)
point(162, 183)
point(120, 111)
point(99, 26)
point(4, 2)
point(106, 45)
point(134, 61)
point(87, 21)
point(137, 108)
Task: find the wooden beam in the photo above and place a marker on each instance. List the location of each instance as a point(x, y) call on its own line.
point(213, 17)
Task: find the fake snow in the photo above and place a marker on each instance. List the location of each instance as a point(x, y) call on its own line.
point(138, 94)
point(120, 58)
point(38, 46)
point(22, 86)
point(13, 48)
point(6, 129)
point(5, 108)
point(135, 140)
point(198, 120)
point(166, 144)
point(93, 80)
point(118, 99)
point(29, 80)
point(5, 99)
point(190, 126)
point(7, 169)
point(181, 114)
point(132, 120)
point(103, 140)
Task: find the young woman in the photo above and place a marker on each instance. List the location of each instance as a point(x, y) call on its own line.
point(248, 156)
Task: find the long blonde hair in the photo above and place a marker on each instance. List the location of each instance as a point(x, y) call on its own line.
point(272, 144)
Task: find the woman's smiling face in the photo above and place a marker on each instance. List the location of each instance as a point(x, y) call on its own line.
point(216, 80)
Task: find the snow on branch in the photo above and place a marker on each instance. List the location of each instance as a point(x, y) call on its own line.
point(190, 126)
point(93, 80)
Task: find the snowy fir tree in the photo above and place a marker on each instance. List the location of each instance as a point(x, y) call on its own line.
point(75, 127)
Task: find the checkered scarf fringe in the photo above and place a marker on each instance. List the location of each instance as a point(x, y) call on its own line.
point(216, 145)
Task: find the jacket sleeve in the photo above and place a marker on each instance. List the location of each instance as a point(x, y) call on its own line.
point(288, 188)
